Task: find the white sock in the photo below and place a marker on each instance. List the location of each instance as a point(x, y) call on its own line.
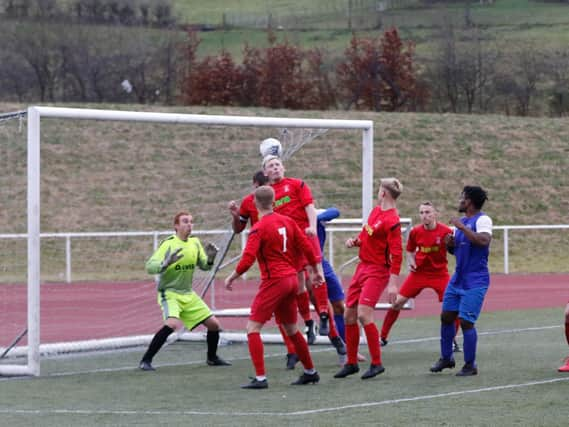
point(261, 377)
point(310, 371)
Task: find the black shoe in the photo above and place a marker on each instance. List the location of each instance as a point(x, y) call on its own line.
point(307, 379)
point(467, 370)
point(146, 366)
point(291, 360)
point(255, 384)
point(324, 328)
point(218, 361)
point(338, 345)
point(455, 347)
point(373, 371)
point(348, 369)
point(442, 364)
point(383, 342)
point(310, 332)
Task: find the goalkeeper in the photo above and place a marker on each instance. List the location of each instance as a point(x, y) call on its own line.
point(175, 261)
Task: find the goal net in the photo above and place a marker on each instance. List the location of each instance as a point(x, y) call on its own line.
point(90, 193)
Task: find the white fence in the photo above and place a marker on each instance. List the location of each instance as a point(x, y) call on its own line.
point(335, 226)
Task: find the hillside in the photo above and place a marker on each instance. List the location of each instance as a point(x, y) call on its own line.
point(114, 176)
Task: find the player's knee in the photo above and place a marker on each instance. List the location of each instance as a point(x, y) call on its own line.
point(448, 317)
point(465, 324)
point(338, 307)
point(399, 303)
point(212, 324)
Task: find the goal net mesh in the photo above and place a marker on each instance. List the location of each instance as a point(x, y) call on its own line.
point(109, 191)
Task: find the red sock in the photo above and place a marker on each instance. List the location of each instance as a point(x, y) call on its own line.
point(257, 352)
point(333, 331)
point(289, 344)
point(567, 332)
point(352, 342)
point(320, 293)
point(303, 301)
point(456, 326)
point(302, 350)
point(372, 336)
point(390, 317)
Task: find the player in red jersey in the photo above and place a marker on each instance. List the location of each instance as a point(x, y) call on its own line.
point(427, 261)
point(293, 198)
point(275, 241)
point(565, 366)
point(247, 212)
point(380, 253)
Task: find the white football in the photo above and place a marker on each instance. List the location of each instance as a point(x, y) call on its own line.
point(271, 147)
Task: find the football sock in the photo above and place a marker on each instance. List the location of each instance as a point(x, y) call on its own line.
point(340, 325)
point(321, 297)
point(390, 317)
point(303, 301)
point(447, 337)
point(372, 336)
point(157, 343)
point(470, 338)
point(288, 342)
point(352, 342)
point(302, 350)
point(333, 331)
point(256, 351)
point(212, 339)
point(567, 332)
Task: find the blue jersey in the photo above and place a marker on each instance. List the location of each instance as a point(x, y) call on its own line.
point(335, 291)
point(325, 216)
point(471, 260)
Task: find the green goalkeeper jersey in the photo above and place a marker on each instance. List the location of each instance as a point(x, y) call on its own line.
point(179, 275)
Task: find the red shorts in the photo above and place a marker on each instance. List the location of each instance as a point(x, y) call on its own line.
point(367, 285)
point(301, 261)
point(276, 296)
point(416, 282)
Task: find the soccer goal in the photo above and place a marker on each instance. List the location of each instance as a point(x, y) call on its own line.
point(100, 189)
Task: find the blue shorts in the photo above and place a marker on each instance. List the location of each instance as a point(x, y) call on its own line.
point(468, 302)
point(335, 290)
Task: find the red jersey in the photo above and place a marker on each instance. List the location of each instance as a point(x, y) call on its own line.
point(276, 241)
point(248, 210)
point(380, 239)
point(291, 197)
point(429, 247)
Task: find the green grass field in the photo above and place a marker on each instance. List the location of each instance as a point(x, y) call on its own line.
point(519, 352)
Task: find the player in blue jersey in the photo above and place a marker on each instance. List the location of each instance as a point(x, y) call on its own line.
point(335, 291)
point(465, 292)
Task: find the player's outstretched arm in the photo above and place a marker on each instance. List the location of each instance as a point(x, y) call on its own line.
point(236, 223)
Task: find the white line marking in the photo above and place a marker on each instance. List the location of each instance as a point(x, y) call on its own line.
point(279, 354)
point(280, 414)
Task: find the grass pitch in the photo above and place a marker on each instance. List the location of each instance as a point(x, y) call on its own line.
point(519, 352)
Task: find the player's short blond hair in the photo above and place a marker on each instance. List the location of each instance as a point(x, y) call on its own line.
point(268, 158)
point(265, 197)
point(393, 187)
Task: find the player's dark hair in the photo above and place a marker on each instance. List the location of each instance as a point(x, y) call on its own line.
point(260, 178)
point(477, 195)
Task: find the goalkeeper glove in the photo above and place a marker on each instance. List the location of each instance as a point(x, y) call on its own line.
point(211, 252)
point(170, 258)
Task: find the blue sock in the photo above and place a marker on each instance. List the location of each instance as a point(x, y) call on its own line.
point(447, 336)
point(340, 326)
point(470, 338)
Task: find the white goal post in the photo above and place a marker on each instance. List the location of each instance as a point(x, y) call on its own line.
point(35, 116)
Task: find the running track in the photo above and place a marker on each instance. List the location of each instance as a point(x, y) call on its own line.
point(101, 310)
